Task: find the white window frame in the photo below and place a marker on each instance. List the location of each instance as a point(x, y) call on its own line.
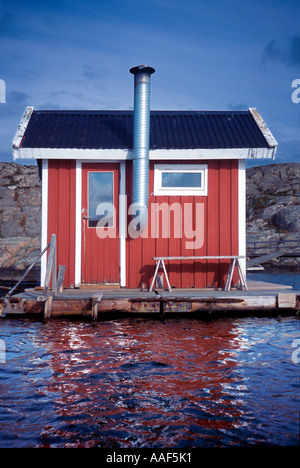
point(159, 190)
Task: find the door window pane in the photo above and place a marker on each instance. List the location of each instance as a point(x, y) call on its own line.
point(101, 198)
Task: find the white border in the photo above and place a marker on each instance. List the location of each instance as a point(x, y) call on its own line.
point(122, 222)
point(180, 191)
point(44, 234)
point(242, 212)
point(78, 221)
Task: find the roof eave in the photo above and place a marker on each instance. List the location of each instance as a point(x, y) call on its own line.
point(157, 154)
point(263, 127)
point(22, 127)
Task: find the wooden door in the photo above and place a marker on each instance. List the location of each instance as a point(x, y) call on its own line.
point(100, 252)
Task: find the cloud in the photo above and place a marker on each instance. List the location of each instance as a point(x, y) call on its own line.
point(237, 106)
point(287, 54)
point(17, 101)
point(287, 133)
point(8, 24)
point(295, 50)
point(17, 98)
point(93, 73)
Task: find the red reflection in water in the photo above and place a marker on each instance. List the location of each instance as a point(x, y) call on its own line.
point(141, 383)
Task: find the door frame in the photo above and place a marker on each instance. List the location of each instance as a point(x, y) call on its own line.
point(122, 219)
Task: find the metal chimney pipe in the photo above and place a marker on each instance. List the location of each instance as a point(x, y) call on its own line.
point(141, 141)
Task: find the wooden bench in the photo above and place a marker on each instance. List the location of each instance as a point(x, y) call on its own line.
point(234, 262)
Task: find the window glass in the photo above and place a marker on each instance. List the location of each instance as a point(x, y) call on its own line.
point(101, 198)
point(181, 179)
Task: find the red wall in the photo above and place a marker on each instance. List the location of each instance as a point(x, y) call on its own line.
point(220, 233)
point(220, 227)
point(61, 213)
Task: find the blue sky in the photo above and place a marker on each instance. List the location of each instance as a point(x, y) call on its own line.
point(216, 55)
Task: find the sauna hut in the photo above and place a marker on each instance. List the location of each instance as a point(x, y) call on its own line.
point(121, 188)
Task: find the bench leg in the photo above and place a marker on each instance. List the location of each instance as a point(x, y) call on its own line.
point(155, 274)
point(167, 278)
point(235, 262)
point(154, 277)
point(241, 276)
point(229, 275)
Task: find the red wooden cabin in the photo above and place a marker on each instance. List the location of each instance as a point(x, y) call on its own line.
point(196, 190)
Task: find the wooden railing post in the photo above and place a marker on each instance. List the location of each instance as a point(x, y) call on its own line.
point(57, 277)
point(54, 267)
point(51, 267)
point(60, 277)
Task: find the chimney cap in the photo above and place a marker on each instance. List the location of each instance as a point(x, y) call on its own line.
point(142, 69)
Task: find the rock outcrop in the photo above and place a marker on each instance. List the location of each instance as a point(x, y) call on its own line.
point(273, 208)
point(16, 255)
point(20, 219)
point(20, 201)
point(273, 197)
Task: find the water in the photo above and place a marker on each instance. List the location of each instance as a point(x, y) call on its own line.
point(138, 383)
point(141, 383)
point(278, 276)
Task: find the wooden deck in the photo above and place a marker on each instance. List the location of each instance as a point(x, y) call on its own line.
point(103, 303)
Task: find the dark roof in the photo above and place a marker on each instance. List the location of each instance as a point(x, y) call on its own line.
point(168, 130)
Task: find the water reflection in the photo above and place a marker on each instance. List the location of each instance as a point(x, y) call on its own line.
point(144, 383)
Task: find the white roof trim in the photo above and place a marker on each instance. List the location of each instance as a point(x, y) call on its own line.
point(22, 127)
point(71, 153)
point(263, 127)
point(160, 154)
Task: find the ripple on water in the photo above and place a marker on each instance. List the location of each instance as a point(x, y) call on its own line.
point(145, 383)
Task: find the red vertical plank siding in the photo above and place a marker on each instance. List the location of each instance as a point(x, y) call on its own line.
point(175, 268)
point(220, 232)
point(63, 252)
point(225, 217)
point(221, 235)
point(134, 258)
point(161, 220)
point(72, 222)
point(61, 213)
point(213, 222)
point(234, 208)
point(148, 243)
point(200, 267)
point(187, 266)
point(235, 212)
